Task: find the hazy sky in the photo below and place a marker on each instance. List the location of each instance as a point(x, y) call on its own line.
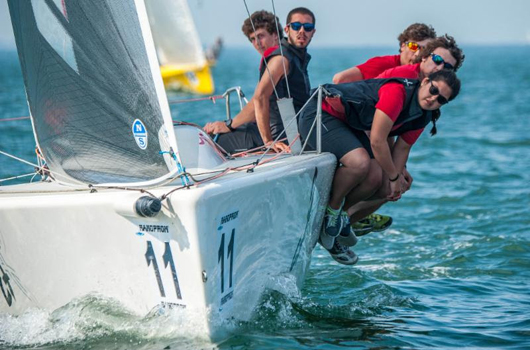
point(354, 22)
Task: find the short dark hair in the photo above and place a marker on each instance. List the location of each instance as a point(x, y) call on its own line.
point(446, 42)
point(263, 19)
point(303, 11)
point(417, 32)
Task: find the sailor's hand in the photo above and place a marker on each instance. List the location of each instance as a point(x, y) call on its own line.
point(216, 128)
point(395, 189)
point(407, 183)
point(278, 147)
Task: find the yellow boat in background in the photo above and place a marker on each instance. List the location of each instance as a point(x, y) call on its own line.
point(183, 63)
point(190, 79)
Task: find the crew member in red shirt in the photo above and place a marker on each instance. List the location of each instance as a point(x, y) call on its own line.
point(414, 38)
point(387, 108)
point(441, 53)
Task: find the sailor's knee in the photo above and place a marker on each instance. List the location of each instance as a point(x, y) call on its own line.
point(358, 163)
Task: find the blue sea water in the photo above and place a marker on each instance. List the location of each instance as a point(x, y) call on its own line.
point(453, 271)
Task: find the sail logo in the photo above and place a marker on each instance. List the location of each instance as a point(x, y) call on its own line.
point(140, 133)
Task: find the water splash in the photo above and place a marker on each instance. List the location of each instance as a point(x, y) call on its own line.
point(96, 322)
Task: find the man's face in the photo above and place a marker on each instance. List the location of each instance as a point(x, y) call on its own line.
point(262, 40)
point(299, 38)
point(429, 66)
point(410, 50)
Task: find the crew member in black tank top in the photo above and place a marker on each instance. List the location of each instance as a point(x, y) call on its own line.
point(259, 123)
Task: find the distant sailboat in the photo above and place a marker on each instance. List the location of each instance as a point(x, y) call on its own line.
point(183, 63)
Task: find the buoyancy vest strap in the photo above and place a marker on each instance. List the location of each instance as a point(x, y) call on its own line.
point(288, 115)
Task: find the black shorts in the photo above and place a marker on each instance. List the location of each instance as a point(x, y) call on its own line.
point(337, 137)
point(243, 138)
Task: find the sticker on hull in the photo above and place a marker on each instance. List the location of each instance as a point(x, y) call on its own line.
point(226, 237)
point(164, 271)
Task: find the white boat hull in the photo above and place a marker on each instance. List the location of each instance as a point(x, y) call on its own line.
point(214, 248)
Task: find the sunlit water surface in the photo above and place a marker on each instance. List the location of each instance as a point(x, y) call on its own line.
point(451, 272)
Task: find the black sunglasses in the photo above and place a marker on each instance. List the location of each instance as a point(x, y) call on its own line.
point(439, 60)
point(308, 27)
point(433, 90)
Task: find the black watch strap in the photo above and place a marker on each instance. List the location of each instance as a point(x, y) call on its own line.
point(394, 179)
point(228, 123)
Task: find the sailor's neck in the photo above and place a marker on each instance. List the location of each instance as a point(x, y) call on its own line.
point(299, 51)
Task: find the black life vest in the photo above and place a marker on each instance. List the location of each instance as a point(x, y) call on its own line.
point(298, 79)
point(360, 98)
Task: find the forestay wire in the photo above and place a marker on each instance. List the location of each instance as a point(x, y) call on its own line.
point(281, 49)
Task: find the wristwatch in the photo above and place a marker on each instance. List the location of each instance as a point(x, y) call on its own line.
point(228, 124)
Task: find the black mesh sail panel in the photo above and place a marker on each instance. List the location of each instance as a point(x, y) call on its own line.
point(94, 106)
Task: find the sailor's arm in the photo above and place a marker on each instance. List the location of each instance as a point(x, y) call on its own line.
point(247, 115)
point(400, 155)
point(261, 100)
point(381, 127)
point(347, 76)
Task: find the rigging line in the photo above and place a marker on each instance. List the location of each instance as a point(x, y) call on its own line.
point(263, 54)
point(211, 98)
point(38, 168)
point(320, 87)
point(17, 177)
point(20, 159)
point(292, 119)
point(11, 119)
point(281, 50)
point(141, 190)
point(252, 151)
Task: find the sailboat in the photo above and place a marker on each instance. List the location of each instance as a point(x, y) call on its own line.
point(134, 208)
point(183, 63)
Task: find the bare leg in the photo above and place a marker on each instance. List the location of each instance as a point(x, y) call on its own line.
point(356, 166)
point(363, 209)
point(368, 187)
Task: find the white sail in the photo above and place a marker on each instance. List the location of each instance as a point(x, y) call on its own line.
point(176, 38)
point(95, 93)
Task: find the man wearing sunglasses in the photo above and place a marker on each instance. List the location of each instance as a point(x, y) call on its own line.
point(260, 123)
point(414, 38)
point(411, 41)
point(440, 53)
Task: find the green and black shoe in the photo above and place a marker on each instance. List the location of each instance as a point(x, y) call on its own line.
point(371, 223)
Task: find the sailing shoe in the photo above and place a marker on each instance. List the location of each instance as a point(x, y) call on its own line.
point(347, 236)
point(342, 254)
point(362, 227)
point(372, 223)
point(380, 222)
point(333, 224)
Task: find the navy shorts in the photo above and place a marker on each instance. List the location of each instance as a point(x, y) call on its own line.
point(243, 138)
point(337, 136)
